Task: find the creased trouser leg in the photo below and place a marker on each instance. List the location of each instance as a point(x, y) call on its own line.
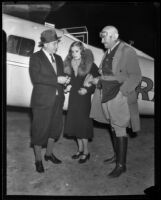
point(119, 114)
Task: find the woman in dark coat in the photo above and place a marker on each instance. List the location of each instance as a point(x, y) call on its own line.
point(79, 65)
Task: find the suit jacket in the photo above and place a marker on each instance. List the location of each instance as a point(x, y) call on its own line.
point(126, 70)
point(44, 80)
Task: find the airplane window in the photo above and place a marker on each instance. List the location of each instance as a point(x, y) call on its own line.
point(27, 47)
point(19, 45)
point(13, 44)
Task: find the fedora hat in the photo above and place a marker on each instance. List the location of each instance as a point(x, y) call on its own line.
point(49, 36)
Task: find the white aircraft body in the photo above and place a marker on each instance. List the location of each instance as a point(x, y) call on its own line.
point(23, 37)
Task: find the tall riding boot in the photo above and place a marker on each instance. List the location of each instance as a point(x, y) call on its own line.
point(113, 139)
point(121, 157)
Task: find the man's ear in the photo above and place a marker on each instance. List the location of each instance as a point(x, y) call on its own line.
point(45, 45)
point(115, 36)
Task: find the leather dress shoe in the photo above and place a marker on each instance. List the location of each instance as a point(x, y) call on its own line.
point(119, 169)
point(131, 133)
point(39, 166)
point(110, 160)
point(52, 158)
point(83, 160)
point(77, 155)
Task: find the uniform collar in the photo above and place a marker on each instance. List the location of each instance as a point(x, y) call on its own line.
point(109, 50)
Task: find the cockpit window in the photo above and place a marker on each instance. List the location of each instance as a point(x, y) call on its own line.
point(19, 45)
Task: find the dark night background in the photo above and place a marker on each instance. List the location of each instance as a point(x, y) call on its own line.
point(138, 22)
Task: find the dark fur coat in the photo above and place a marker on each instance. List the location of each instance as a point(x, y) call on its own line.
point(87, 60)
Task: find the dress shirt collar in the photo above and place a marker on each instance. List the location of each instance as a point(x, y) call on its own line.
point(48, 55)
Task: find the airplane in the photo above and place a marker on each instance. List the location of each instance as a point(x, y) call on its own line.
point(23, 37)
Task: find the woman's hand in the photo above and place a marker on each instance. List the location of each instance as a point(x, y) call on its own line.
point(68, 80)
point(82, 91)
point(95, 81)
point(88, 80)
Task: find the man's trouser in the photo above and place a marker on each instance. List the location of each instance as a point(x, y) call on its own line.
point(119, 114)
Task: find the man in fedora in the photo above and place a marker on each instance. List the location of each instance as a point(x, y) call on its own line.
point(48, 78)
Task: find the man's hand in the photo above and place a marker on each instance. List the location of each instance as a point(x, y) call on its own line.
point(82, 91)
point(63, 79)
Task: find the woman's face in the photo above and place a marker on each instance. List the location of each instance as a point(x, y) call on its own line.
point(76, 52)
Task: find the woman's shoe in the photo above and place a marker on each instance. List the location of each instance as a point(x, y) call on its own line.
point(83, 160)
point(77, 155)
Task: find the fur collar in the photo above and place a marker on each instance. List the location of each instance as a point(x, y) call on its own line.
point(87, 60)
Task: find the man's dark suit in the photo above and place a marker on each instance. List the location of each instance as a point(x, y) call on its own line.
point(46, 105)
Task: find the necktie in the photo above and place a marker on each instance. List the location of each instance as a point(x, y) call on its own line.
point(52, 59)
point(53, 63)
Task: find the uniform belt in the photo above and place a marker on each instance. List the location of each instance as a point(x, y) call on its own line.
point(108, 78)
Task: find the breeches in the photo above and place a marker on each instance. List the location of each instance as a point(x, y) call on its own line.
point(118, 113)
point(47, 123)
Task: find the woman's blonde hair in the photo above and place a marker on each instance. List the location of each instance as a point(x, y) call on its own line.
point(87, 59)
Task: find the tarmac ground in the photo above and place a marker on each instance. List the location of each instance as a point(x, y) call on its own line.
point(71, 178)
